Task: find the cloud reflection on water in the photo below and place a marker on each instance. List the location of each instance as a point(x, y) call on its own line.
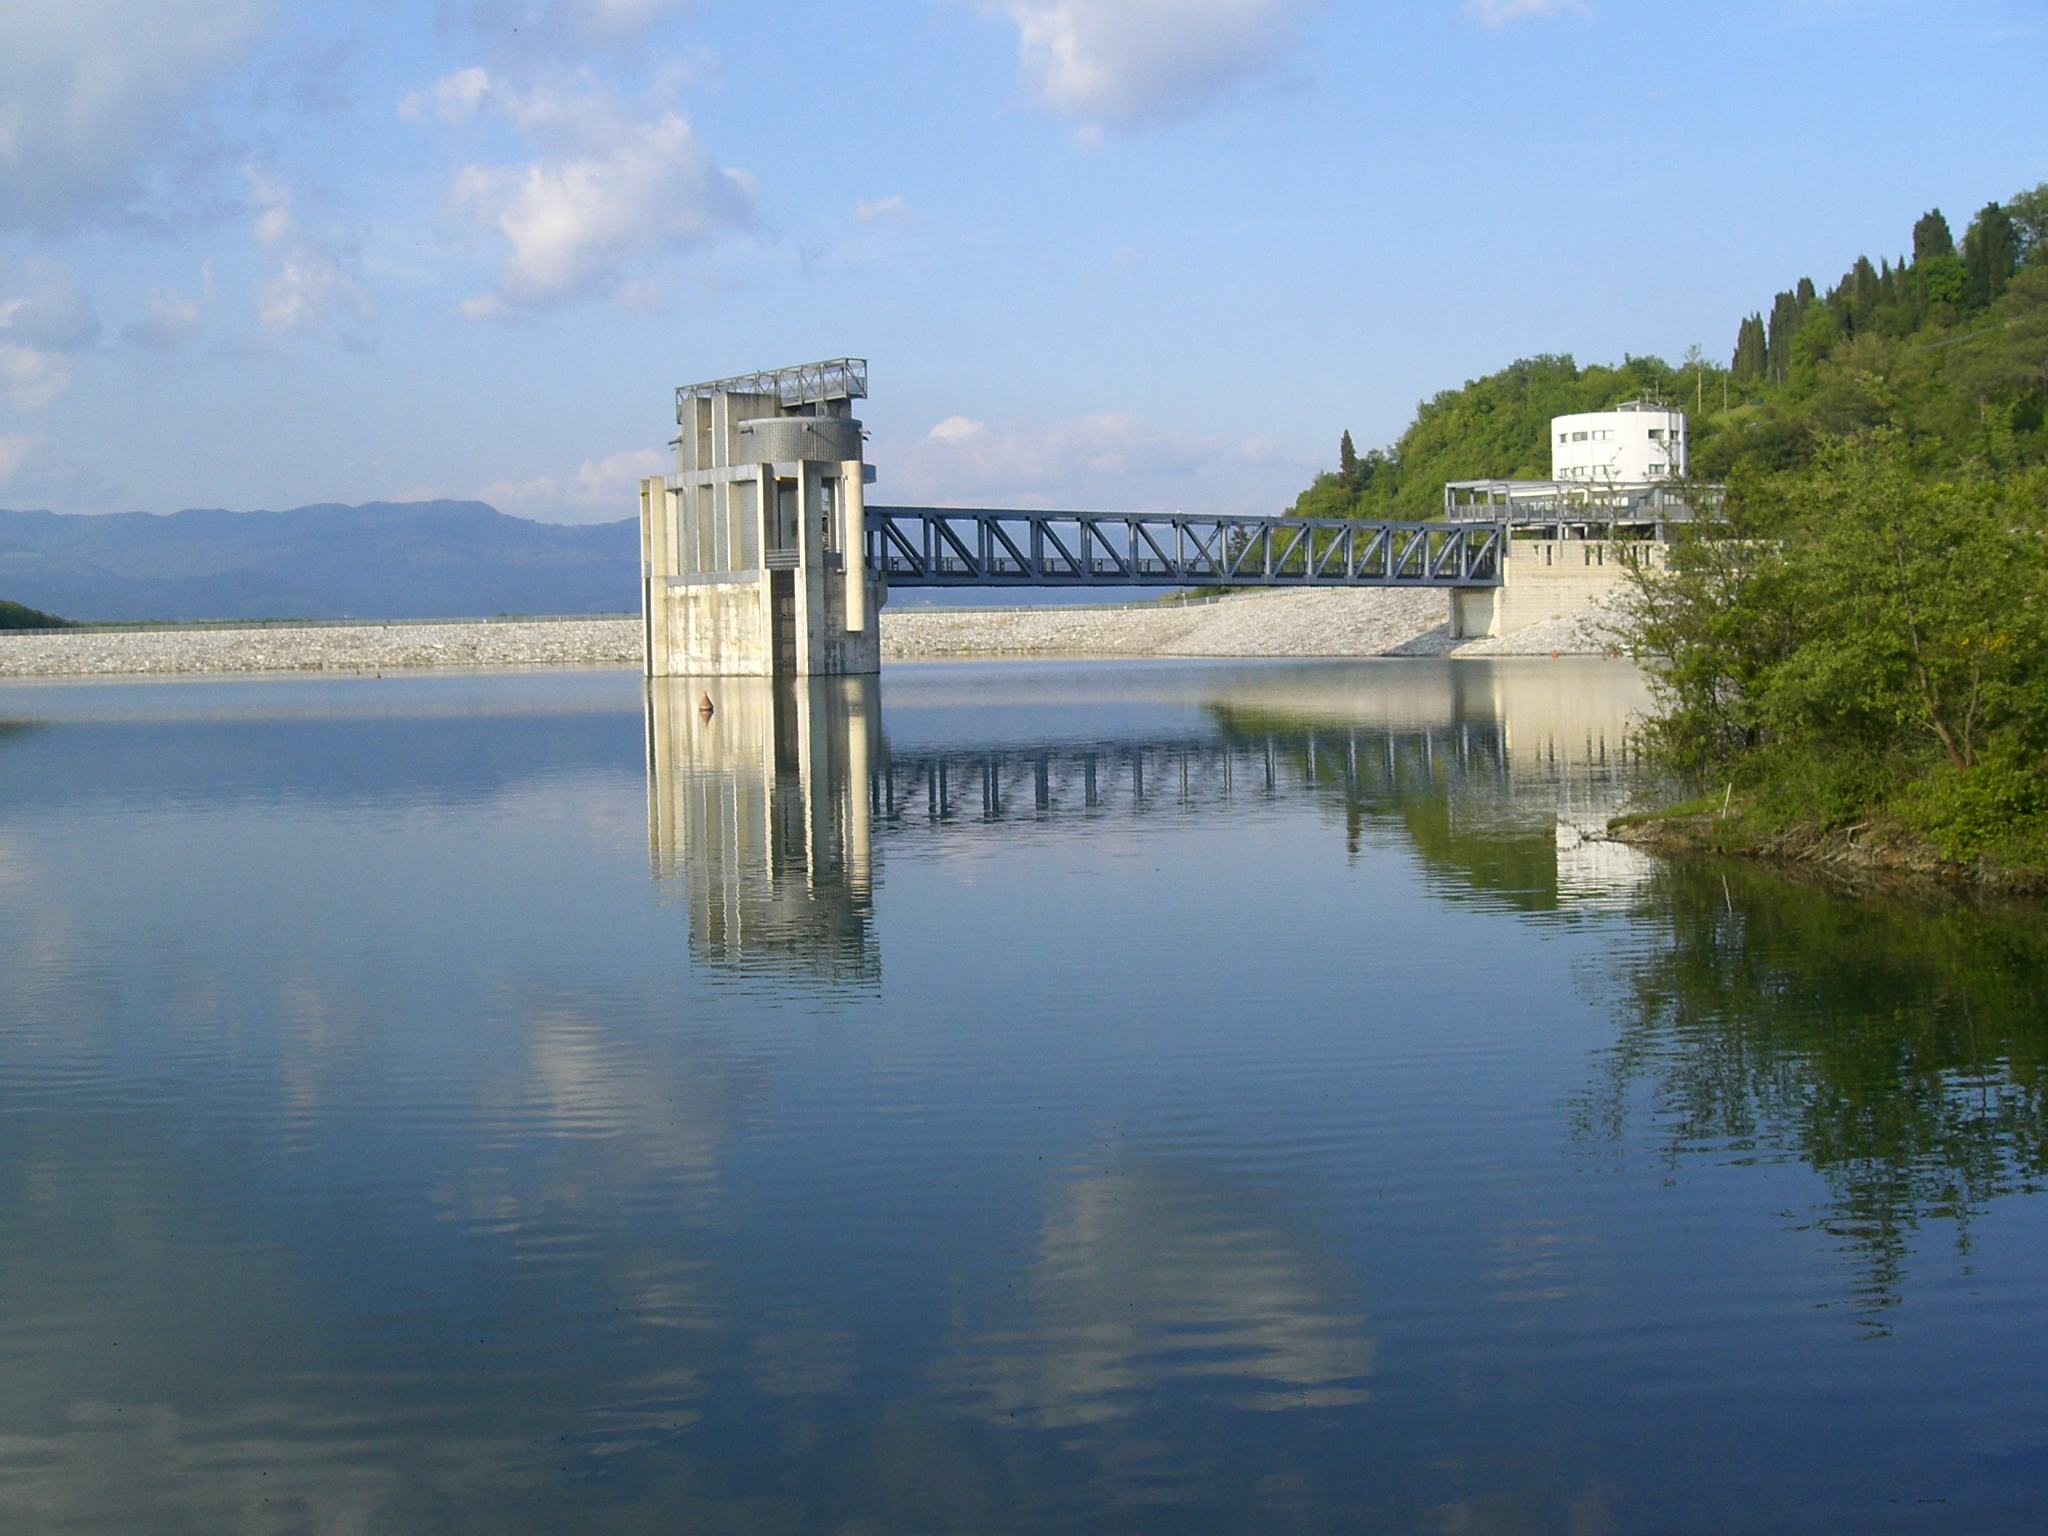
point(1159, 1278)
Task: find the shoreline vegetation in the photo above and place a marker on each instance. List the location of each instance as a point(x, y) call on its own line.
point(1851, 664)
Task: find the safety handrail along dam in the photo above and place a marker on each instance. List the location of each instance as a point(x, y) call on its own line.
point(983, 547)
point(759, 555)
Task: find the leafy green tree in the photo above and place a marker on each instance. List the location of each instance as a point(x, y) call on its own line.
point(1716, 620)
point(2029, 214)
point(1944, 279)
point(1347, 457)
point(1919, 596)
point(1862, 637)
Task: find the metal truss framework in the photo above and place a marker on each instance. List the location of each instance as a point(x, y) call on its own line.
point(838, 378)
point(1581, 503)
point(980, 547)
point(938, 789)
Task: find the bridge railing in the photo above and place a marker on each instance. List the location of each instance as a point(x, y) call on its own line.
point(983, 547)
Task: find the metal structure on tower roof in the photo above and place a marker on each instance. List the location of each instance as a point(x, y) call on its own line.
point(837, 378)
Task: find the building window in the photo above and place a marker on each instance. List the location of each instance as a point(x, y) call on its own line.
point(1578, 437)
point(1656, 434)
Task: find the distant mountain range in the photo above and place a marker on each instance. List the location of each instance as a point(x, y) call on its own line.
point(386, 560)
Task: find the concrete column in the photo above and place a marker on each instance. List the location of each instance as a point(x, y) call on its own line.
point(853, 540)
point(810, 572)
point(646, 579)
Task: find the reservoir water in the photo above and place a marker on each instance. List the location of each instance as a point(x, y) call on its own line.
point(1060, 1097)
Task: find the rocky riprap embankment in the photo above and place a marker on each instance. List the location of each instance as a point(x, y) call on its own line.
point(605, 642)
point(1336, 622)
point(1368, 622)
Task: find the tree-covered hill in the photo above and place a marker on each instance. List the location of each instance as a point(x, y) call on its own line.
point(1948, 347)
point(19, 616)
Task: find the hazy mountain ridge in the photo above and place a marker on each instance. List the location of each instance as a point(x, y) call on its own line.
point(382, 560)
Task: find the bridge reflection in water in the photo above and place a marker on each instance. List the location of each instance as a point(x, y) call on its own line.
point(765, 815)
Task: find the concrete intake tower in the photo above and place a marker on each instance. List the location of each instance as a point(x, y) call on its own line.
point(751, 551)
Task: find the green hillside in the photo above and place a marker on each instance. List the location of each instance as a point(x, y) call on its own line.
point(19, 616)
point(1949, 347)
point(1851, 664)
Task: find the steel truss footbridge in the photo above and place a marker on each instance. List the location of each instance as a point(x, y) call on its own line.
point(984, 547)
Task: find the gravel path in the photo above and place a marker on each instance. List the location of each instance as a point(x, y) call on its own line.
point(1363, 622)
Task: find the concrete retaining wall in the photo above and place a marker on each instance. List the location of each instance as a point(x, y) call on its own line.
point(1548, 579)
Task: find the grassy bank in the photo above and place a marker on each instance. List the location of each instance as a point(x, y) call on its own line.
point(1879, 849)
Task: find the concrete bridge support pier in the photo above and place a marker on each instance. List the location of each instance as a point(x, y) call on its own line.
point(1548, 579)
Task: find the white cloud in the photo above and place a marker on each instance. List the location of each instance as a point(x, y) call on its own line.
point(958, 429)
point(313, 277)
point(601, 490)
point(895, 208)
point(30, 378)
point(1106, 461)
point(14, 452)
point(274, 201)
point(44, 314)
point(168, 322)
point(1113, 457)
point(42, 305)
point(611, 184)
point(308, 285)
point(452, 98)
point(1136, 63)
point(93, 94)
point(1498, 13)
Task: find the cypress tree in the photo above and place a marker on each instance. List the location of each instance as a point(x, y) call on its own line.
point(1931, 237)
point(1990, 252)
point(1778, 342)
point(1347, 457)
point(1749, 362)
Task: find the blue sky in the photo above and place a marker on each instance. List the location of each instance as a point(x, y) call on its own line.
point(1112, 253)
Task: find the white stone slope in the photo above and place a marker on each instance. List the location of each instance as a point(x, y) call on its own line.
point(603, 642)
point(1335, 622)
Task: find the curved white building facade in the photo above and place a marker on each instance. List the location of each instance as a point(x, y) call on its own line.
point(1636, 443)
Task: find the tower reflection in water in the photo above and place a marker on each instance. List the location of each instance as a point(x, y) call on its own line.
point(758, 815)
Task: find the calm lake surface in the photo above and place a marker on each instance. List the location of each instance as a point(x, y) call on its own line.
point(1067, 1097)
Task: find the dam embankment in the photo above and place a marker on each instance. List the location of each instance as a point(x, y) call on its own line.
point(1329, 622)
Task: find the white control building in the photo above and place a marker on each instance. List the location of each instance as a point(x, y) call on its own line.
point(1637, 443)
